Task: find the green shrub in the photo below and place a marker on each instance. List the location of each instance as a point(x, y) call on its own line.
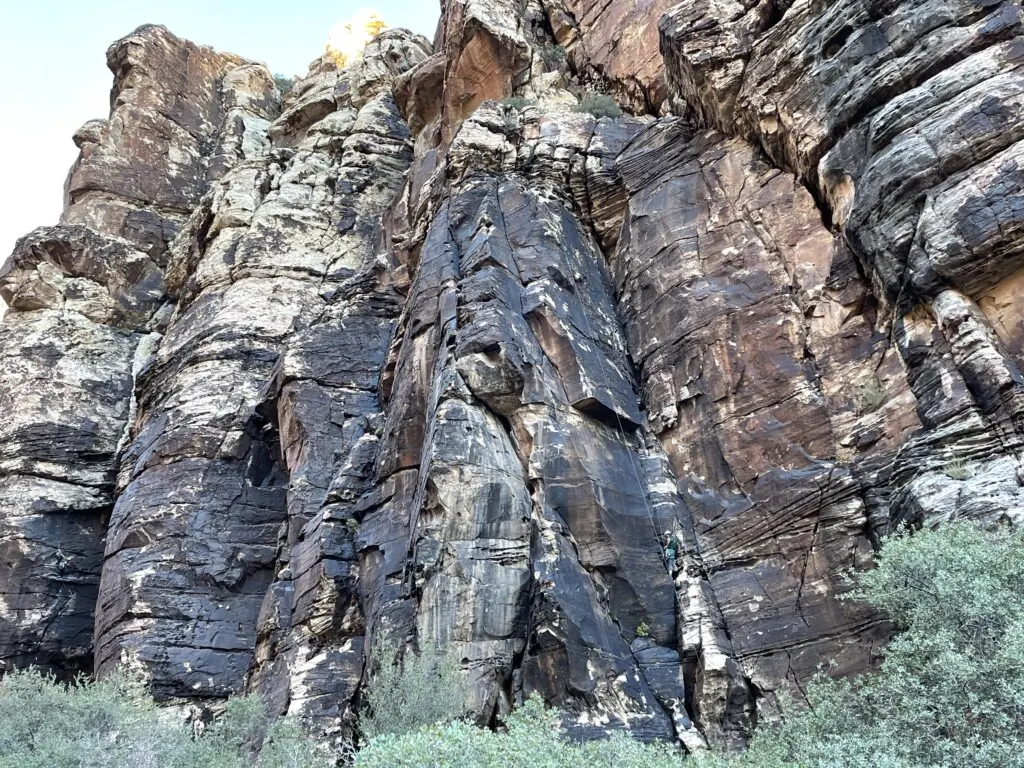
point(410, 691)
point(531, 739)
point(517, 102)
point(598, 105)
point(947, 695)
point(114, 723)
point(284, 83)
point(552, 52)
point(870, 396)
point(948, 692)
point(957, 469)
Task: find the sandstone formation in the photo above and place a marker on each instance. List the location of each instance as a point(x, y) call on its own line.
point(610, 407)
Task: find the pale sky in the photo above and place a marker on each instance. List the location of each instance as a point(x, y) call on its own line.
point(54, 73)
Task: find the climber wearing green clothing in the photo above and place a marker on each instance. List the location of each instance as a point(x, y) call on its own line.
point(671, 551)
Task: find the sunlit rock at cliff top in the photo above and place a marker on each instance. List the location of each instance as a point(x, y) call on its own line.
point(347, 39)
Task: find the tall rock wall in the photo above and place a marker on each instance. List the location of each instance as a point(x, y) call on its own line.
point(611, 407)
point(87, 302)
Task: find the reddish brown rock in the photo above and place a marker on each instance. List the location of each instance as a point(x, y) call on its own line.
point(726, 280)
point(142, 171)
point(619, 42)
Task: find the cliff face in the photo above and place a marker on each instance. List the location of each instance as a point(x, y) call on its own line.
point(387, 356)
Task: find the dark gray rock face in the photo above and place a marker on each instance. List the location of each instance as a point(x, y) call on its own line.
point(77, 300)
point(523, 390)
point(607, 406)
point(85, 304)
point(246, 404)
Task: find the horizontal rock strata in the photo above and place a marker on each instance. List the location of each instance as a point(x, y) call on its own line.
point(422, 351)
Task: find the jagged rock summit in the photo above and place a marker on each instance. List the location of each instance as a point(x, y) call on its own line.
point(609, 406)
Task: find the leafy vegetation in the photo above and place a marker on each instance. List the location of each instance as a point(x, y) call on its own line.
point(284, 83)
point(598, 105)
point(114, 723)
point(957, 469)
point(531, 739)
point(947, 695)
point(949, 689)
point(517, 102)
point(410, 691)
point(870, 396)
point(553, 53)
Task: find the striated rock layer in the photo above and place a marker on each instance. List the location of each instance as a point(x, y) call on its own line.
point(609, 406)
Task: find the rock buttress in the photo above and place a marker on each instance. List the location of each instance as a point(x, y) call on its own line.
point(85, 302)
point(253, 394)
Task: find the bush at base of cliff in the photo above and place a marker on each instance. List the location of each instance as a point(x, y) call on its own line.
point(410, 691)
point(947, 695)
point(950, 690)
point(114, 723)
point(532, 739)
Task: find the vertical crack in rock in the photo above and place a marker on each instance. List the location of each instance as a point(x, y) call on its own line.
point(513, 356)
point(615, 42)
point(326, 391)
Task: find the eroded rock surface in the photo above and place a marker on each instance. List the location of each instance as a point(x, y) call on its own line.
point(244, 408)
point(86, 303)
point(608, 406)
